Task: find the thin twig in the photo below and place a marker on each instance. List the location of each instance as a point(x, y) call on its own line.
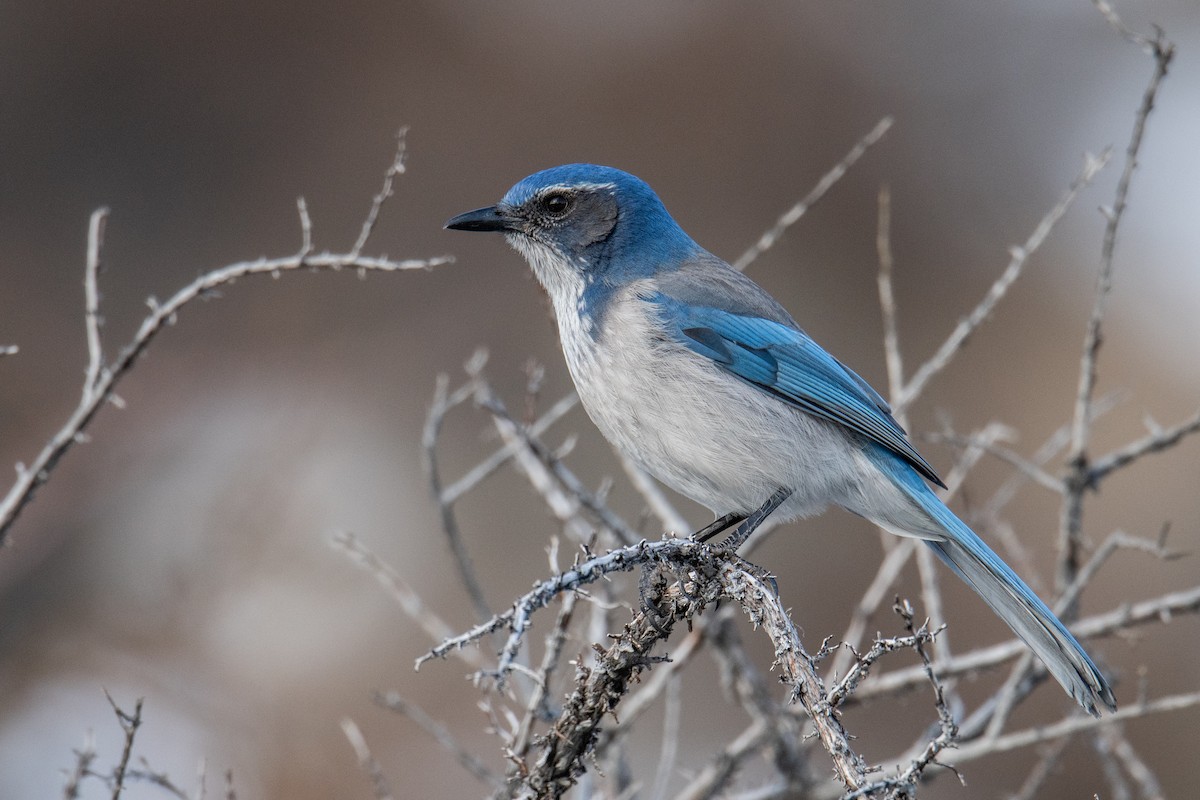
point(1070, 725)
point(509, 427)
point(1019, 256)
point(669, 748)
point(1048, 760)
point(306, 235)
point(1071, 526)
point(394, 702)
point(501, 456)
point(1160, 609)
point(827, 181)
point(1135, 767)
point(389, 178)
point(1117, 540)
point(84, 758)
point(409, 601)
point(714, 779)
point(32, 477)
point(904, 782)
point(863, 662)
point(535, 707)
point(91, 294)
point(1155, 442)
point(160, 779)
point(443, 402)
point(368, 762)
point(1049, 449)
point(1030, 469)
point(887, 298)
point(129, 724)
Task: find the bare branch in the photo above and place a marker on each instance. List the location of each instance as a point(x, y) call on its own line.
point(714, 779)
point(84, 758)
point(1159, 609)
point(670, 740)
point(510, 429)
point(1071, 525)
point(162, 315)
point(1117, 540)
point(707, 574)
point(1018, 258)
point(1049, 759)
point(1156, 442)
point(1050, 448)
point(91, 294)
point(130, 724)
point(160, 779)
point(887, 298)
point(408, 600)
point(1030, 469)
point(379, 781)
point(655, 686)
point(394, 702)
point(389, 178)
point(1116, 744)
point(503, 455)
point(443, 402)
point(535, 707)
point(306, 237)
point(904, 782)
point(861, 667)
point(789, 218)
point(1074, 724)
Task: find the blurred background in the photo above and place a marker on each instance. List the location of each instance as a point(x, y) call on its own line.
point(183, 554)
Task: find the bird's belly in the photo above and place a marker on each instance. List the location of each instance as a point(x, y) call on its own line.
point(709, 435)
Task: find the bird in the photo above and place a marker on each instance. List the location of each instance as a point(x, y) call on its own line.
point(701, 378)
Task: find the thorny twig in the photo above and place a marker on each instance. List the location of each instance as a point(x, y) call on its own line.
point(601, 682)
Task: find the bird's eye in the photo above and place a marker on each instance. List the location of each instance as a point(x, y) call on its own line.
point(556, 204)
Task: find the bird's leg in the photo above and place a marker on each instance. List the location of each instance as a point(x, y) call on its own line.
point(718, 525)
point(751, 523)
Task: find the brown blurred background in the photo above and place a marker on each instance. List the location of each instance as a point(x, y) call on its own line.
point(183, 554)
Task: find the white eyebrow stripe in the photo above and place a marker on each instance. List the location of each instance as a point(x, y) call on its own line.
point(559, 187)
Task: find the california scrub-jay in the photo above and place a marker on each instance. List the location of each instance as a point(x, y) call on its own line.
point(700, 377)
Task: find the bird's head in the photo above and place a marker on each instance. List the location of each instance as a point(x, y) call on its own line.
point(584, 225)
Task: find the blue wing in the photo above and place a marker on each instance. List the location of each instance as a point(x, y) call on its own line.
point(786, 362)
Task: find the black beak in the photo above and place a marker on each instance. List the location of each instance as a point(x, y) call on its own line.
point(492, 218)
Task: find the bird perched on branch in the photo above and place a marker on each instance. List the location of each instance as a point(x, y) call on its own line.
point(700, 377)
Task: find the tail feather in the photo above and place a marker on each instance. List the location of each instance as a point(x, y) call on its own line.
point(1022, 610)
point(1007, 595)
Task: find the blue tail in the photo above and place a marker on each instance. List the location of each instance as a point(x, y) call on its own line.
point(1004, 591)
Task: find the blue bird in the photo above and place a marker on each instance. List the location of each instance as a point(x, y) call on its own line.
point(700, 377)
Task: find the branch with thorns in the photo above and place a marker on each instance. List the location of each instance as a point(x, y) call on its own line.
point(685, 578)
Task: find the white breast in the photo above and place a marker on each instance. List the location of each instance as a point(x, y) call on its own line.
point(693, 425)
